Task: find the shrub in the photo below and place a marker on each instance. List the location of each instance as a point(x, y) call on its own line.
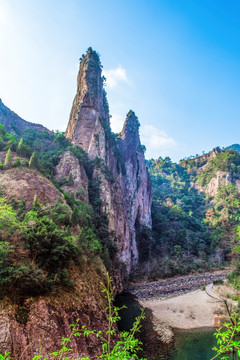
point(88, 242)
point(23, 149)
point(17, 163)
point(227, 339)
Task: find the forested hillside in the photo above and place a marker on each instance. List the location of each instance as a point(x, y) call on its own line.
point(195, 212)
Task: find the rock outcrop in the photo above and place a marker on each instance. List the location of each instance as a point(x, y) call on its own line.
point(125, 187)
point(23, 184)
point(222, 178)
point(36, 325)
point(75, 175)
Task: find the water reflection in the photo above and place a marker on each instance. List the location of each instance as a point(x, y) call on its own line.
point(196, 344)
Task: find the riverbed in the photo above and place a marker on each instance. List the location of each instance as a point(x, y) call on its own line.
point(179, 303)
point(195, 344)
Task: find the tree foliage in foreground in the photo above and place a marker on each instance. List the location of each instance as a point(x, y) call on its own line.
point(228, 343)
point(125, 347)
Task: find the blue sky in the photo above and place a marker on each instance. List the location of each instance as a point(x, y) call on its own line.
point(176, 63)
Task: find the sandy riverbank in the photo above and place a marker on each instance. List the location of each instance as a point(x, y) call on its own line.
point(188, 311)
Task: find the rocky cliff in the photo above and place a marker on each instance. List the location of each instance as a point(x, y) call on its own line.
point(36, 325)
point(125, 187)
point(209, 172)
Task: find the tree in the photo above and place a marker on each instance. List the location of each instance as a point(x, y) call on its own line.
point(33, 162)
point(23, 149)
point(70, 181)
point(75, 216)
point(20, 146)
point(8, 158)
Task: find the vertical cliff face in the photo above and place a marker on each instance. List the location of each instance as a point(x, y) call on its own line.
point(89, 114)
point(126, 190)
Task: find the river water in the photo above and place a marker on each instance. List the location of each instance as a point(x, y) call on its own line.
point(187, 345)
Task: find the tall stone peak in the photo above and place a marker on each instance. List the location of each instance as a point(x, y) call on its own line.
point(129, 140)
point(126, 194)
point(130, 126)
point(89, 81)
point(89, 115)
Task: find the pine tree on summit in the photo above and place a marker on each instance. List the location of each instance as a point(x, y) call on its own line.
point(8, 158)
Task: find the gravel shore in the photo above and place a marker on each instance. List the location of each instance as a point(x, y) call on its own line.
point(179, 302)
point(188, 311)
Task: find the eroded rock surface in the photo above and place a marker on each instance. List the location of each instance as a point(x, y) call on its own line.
point(69, 166)
point(222, 178)
point(89, 112)
point(44, 324)
point(22, 183)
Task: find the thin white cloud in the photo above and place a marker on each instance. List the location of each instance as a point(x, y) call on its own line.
point(157, 142)
point(116, 76)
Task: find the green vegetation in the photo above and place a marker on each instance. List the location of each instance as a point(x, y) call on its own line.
point(23, 149)
point(191, 230)
point(224, 217)
point(234, 276)
point(228, 344)
point(227, 160)
point(50, 238)
point(127, 346)
point(8, 159)
point(42, 147)
point(39, 260)
point(35, 252)
point(181, 239)
point(33, 162)
point(7, 140)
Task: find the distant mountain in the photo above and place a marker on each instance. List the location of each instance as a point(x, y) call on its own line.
point(234, 147)
point(14, 123)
